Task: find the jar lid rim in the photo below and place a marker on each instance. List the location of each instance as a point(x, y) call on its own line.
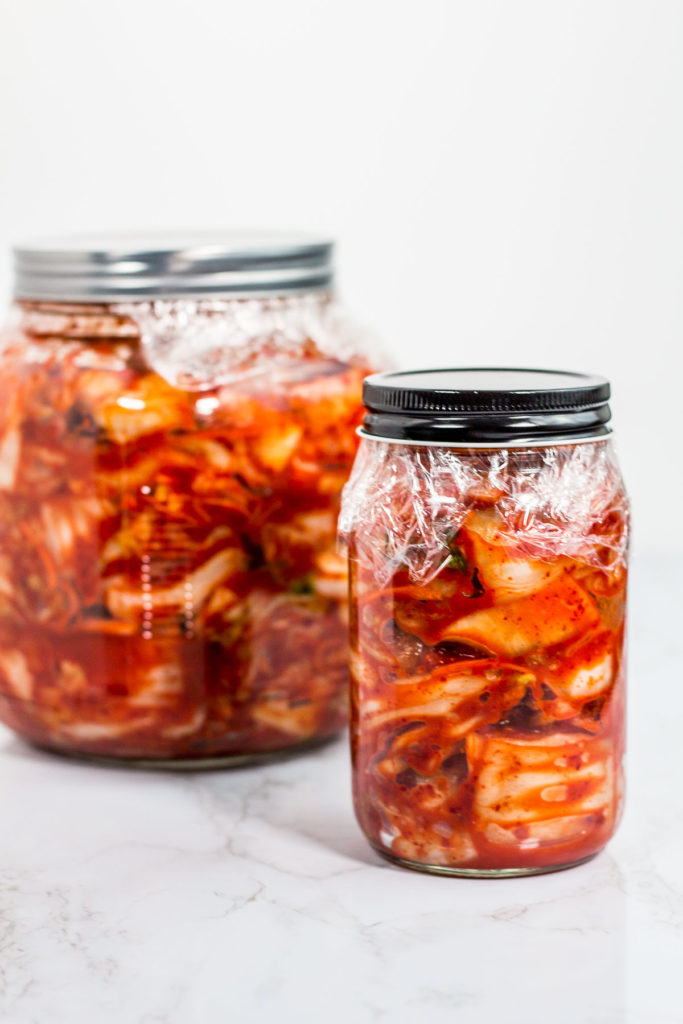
point(158, 264)
point(558, 440)
point(485, 404)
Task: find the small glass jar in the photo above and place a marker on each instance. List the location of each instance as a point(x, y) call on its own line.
point(487, 526)
point(177, 419)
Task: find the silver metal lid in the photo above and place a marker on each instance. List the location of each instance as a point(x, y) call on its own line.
point(114, 268)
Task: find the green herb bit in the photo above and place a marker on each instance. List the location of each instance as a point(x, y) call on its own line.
point(457, 559)
point(302, 586)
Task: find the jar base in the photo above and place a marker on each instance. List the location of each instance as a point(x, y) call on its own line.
point(188, 764)
point(439, 869)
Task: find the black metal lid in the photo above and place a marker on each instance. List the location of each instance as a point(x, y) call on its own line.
point(481, 406)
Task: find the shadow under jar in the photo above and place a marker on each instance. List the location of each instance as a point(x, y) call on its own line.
point(176, 424)
point(487, 526)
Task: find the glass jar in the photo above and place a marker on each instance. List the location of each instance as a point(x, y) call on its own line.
point(487, 526)
point(177, 419)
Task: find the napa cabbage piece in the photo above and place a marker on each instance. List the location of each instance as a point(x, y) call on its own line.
point(550, 616)
point(550, 786)
point(146, 407)
point(16, 674)
point(586, 670)
point(506, 575)
point(454, 692)
point(125, 600)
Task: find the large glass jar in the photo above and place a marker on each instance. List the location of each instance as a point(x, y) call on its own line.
point(176, 424)
point(487, 527)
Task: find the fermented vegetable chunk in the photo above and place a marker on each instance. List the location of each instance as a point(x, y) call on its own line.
point(559, 612)
point(549, 789)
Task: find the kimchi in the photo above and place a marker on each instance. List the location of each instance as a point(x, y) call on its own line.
point(170, 586)
point(488, 592)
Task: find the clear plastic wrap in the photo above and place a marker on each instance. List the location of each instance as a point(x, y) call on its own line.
point(488, 592)
point(201, 344)
point(405, 503)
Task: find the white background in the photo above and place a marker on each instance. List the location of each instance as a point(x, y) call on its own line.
point(505, 178)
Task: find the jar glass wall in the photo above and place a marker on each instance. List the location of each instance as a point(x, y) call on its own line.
point(171, 470)
point(488, 593)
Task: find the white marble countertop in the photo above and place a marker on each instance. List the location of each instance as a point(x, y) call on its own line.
point(251, 896)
